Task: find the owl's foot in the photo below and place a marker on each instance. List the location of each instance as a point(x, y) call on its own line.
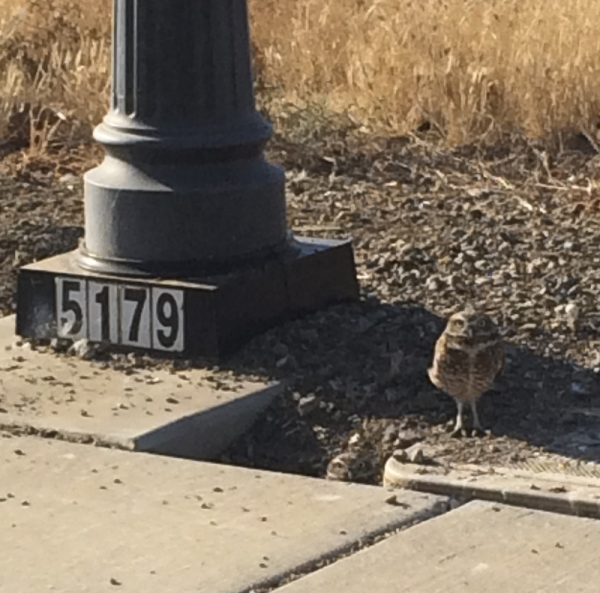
point(458, 433)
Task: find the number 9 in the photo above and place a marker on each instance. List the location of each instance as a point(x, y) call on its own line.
point(168, 316)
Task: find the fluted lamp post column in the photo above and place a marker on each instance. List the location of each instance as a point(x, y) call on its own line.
point(184, 186)
point(186, 248)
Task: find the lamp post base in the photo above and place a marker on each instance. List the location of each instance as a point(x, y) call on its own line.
point(205, 316)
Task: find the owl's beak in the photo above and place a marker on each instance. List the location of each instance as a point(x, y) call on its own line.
point(469, 332)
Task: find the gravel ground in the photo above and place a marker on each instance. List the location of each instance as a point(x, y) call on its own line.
point(513, 230)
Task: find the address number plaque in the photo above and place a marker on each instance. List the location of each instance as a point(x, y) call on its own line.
point(148, 317)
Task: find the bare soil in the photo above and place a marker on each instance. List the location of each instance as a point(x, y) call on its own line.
point(514, 229)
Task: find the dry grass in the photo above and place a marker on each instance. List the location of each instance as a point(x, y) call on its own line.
point(473, 69)
point(55, 53)
point(470, 67)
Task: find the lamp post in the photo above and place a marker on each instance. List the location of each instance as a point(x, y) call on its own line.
point(184, 186)
point(186, 247)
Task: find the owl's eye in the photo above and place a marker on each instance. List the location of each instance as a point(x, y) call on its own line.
point(459, 323)
point(481, 323)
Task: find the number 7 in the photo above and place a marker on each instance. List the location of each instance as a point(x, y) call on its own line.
point(138, 296)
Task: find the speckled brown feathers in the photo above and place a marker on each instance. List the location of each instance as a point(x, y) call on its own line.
point(463, 372)
point(467, 358)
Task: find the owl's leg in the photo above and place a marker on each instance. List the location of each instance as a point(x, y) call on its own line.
point(459, 425)
point(477, 428)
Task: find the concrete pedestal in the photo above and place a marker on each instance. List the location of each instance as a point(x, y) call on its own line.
point(207, 316)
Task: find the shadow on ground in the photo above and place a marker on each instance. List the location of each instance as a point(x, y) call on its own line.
point(357, 384)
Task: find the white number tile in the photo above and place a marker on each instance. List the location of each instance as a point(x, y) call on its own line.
point(134, 305)
point(167, 320)
point(103, 307)
point(71, 307)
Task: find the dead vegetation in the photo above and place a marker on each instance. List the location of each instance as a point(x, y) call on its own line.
point(54, 54)
point(469, 70)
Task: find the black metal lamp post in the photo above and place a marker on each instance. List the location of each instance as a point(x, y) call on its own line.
point(186, 247)
point(184, 186)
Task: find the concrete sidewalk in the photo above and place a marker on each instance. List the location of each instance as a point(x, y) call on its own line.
point(77, 518)
point(480, 547)
point(187, 413)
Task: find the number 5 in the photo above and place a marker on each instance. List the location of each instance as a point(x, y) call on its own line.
point(70, 308)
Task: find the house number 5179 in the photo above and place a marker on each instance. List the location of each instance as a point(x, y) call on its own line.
point(128, 315)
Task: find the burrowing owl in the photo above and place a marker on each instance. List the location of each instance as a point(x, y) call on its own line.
point(468, 356)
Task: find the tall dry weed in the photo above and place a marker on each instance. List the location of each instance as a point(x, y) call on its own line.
point(471, 68)
point(54, 54)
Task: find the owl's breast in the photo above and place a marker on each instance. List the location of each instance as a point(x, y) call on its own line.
point(465, 373)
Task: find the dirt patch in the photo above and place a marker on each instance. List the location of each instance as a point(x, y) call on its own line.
point(513, 229)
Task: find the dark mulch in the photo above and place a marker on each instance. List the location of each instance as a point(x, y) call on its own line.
point(513, 229)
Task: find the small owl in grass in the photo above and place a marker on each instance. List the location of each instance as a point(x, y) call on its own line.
point(468, 356)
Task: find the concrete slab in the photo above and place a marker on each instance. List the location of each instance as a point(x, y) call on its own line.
point(88, 519)
point(188, 413)
point(542, 490)
point(478, 547)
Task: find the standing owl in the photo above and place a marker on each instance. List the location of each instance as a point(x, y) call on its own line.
point(468, 357)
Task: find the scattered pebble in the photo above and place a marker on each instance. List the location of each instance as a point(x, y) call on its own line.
point(308, 404)
point(572, 315)
point(83, 349)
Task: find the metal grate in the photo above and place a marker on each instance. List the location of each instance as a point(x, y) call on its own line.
point(566, 467)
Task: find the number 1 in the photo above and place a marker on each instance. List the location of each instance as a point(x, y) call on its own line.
point(102, 300)
point(103, 312)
